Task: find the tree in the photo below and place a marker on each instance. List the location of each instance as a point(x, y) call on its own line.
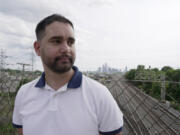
point(176, 75)
point(166, 68)
point(131, 74)
point(140, 67)
point(155, 69)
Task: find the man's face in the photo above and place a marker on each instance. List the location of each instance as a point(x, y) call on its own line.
point(56, 47)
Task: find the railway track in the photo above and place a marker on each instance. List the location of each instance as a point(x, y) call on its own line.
point(129, 101)
point(167, 121)
point(143, 115)
point(150, 114)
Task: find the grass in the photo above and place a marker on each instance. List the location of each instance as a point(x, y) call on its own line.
point(7, 129)
point(6, 103)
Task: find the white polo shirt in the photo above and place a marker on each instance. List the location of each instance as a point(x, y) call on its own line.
point(81, 107)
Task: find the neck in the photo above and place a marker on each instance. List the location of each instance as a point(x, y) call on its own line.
point(56, 80)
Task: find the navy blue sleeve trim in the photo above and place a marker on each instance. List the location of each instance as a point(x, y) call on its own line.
point(17, 126)
point(111, 132)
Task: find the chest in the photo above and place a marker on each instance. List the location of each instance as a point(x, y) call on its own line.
point(57, 114)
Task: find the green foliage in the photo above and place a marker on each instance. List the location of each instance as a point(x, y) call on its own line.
point(166, 68)
point(146, 87)
point(154, 88)
point(6, 113)
point(173, 91)
point(7, 129)
point(176, 75)
point(155, 69)
point(131, 74)
point(12, 71)
point(140, 67)
point(7, 101)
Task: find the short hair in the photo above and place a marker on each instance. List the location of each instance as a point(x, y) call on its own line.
point(41, 26)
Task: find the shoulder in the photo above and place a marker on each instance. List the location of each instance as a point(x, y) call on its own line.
point(91, 83)
point(93, 87)
point(29, 84)
point(26, 87)
point(108, 113)
point(94, 90)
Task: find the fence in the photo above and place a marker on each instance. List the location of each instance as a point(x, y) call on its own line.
point(143, 115)
point(10, 81)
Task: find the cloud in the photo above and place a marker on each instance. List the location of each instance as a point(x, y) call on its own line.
point(97, 3)
point(15, 34)
point(26, 10)
point(15, 26)
point(106, 30)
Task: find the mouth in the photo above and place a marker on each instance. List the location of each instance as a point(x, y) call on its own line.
point(64, 59)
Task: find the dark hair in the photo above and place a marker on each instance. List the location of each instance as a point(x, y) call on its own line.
point(41, 26)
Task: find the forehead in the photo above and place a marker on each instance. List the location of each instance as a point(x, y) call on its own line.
point(59, 29)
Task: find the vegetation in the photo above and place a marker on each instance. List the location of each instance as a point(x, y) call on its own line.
point(152, 85)
point(6, 128)
point(7, 102)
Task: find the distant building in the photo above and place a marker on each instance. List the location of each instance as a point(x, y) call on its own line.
point(106, 69)
point(125, 70)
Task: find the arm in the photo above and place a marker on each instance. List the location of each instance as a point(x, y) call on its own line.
point(20, 131)
point(17, 117)
point(110, 115)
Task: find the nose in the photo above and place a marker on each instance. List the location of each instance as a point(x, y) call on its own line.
point(64, 47)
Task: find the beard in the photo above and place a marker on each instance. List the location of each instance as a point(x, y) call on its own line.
point(62, 67)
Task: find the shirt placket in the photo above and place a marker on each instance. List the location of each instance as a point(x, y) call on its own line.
point(53, 98)
point(52, 103)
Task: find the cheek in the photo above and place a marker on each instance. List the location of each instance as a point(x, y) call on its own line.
point(74, 52)
point(46, 54)
point(48, 51)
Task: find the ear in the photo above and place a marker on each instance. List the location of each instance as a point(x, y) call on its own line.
point(37, 48)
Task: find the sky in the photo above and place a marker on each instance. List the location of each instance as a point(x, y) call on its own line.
point(117, 32)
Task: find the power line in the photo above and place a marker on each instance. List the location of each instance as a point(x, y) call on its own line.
point(23, 65)
point(2, 59)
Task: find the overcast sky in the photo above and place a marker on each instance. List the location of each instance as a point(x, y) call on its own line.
point(118, 32)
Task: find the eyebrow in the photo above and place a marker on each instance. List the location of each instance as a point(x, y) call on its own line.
point(60, 37)
point(55, 37)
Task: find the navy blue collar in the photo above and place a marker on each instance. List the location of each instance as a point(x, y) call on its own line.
point(75, 81)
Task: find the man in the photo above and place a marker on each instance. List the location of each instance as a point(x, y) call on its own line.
point(63, 101)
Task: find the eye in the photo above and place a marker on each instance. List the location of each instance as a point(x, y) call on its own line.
point(57, 41)
point(71, 41)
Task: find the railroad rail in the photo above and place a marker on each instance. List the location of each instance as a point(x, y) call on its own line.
point(143, 115)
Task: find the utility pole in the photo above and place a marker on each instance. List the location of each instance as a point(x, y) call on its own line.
point(163, 88)
point(23, 67)
point(2, 66)
point(2, 62)
point(2, 59)
point(153, 78)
